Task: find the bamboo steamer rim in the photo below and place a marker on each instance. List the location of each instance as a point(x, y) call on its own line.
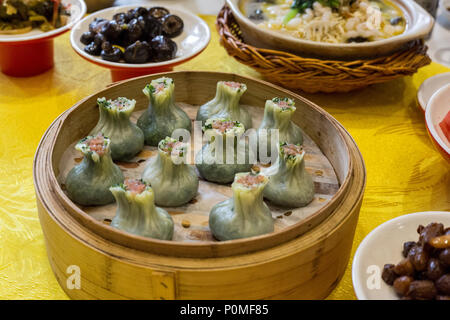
point(186, 249)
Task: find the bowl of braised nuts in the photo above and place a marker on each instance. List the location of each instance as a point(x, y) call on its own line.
point(405, 258)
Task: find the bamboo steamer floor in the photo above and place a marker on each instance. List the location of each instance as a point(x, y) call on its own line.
point(405, 173)
point(191, 220)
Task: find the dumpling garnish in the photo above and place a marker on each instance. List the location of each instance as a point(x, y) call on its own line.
point(225, 105)
point(290, 185)
point(88, 183)
point(162, 116)
point(225, 153)
point(127, 139)
point(277, 115)
point(245, 214)
point(172, 179)
point(136, 211)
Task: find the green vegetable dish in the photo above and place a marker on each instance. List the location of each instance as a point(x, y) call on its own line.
point(225, 104)
point(88, 183)
point(136, 211)
point(245, 214)
point(226, 152)
point(21, 16)
point(172, 179)
point(290, 185)
point(127, 139)
point(162, 116)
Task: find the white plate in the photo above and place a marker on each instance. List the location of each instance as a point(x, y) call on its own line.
point(384, 245)
point(437, 109)
point(77, 11)
point(430, 86)
point(195, 37)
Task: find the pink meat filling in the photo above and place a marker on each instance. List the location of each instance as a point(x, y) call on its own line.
point(232, 84)
point(250, 180)
point(223, 126)
point(292, 149)
point(134, 186)
point(97, 144)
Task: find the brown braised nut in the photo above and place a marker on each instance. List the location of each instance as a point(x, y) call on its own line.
point(420, 259)
point(388, 274)
point(401, 285)
point(443, 298)
point(444, 257)
point(447, 231)
point(434, 269)
point(430, 231)
point(422, 290)
point(443, 284)
point(441, 242)
point(407, 246)
point(404, 268)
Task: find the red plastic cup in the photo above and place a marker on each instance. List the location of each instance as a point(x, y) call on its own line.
point(26, 59)
point(30, 54)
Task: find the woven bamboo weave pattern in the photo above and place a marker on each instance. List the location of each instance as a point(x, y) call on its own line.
point(316, 75)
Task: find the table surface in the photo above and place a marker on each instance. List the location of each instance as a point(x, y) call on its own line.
point(404, 172)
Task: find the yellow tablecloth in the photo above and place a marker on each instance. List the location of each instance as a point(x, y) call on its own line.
point(405, 173)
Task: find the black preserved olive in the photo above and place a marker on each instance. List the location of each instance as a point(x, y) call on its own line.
point(111, 30)
point(110, 53)
point(163, 48)
point(172, 25)
point(406, 247)
point(134, 31)
point(258, 15)
point(422, 290)
point(87, 37)
point(158, 12)
point(138, 52)
point(99, 39)
point(434, 269)
point(96, 25)
point(93, 49)
point(388, 274)
point(121, 18)
point(137, 12)
point(395, 21)
point(153, 28)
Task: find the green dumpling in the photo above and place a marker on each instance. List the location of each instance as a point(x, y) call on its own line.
point(290, 185)
point(226, 152)
point(172, 179)
point(127, 139)
point(137, 214)
point(278, 115)
point(245, 214)
point(162, 116)
point(88, 183)
point(225, 105)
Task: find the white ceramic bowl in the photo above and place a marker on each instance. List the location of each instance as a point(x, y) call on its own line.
point(384, 245)
point(77, 11)
point(430, 86)
point(437, 109)
point(419, 25)
point(194, 39)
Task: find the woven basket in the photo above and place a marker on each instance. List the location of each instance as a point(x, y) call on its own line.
point(316, 75)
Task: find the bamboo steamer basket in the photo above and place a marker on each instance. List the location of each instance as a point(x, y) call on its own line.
point(303, 261)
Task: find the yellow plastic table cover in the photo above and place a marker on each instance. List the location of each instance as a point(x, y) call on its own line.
point(405, 173)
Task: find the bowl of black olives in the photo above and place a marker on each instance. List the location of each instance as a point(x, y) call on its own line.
point(133, 41)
